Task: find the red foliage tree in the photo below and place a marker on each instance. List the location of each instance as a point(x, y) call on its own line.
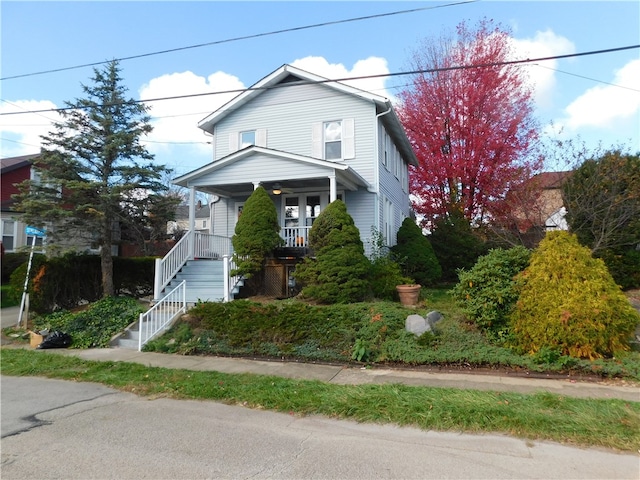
point(469, 118)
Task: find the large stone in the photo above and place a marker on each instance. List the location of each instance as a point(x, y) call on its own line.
point(416, 325)
point(433, 317)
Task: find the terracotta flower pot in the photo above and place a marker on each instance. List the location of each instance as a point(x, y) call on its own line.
point(409, 294)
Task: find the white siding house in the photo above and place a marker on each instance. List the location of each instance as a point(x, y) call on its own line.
point(307, 141)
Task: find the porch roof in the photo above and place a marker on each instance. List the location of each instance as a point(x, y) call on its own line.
point(237, 174)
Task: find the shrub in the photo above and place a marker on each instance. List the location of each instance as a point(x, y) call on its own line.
point(455, 244)
point(487, 292)
point(623, 264)
point(257, 233)
point(568, 302)
point(67, 281)
point(385, 274)
point(11, 261)
point(338, 273)
point(415, 254)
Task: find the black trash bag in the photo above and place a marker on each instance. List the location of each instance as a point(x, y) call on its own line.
point(56, 339)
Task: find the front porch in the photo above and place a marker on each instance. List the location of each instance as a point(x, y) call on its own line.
point(195, 246)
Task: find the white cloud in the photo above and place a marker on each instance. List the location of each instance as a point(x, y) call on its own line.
point(605, 106)
point(362, 68)
point(176, 120)
point(21, 133)
point(541, 74)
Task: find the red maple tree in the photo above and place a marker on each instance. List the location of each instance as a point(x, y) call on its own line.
point(470, 119)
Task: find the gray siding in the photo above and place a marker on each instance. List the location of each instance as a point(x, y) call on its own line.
point(288, 114)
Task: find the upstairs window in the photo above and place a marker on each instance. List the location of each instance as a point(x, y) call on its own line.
point(247, 138)
point(332, 140)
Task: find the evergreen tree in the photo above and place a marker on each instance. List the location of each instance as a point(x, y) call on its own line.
point(338, 273)
point(257, 233)
point(455, 244)
point(569, 303)
point(93, 168)
point(415, 254)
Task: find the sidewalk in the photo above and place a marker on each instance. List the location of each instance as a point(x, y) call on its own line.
point(346, 375)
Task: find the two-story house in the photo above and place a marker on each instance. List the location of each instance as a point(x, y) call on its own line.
point(308, 141)
point(13, 171)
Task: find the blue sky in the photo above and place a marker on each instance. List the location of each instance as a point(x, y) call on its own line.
point(594, 97)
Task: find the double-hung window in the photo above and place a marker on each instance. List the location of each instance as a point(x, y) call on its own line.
point(332, 140)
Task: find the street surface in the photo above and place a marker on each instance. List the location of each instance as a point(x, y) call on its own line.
point(59, 429)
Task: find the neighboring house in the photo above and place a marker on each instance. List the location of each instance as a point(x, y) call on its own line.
point(181, 222)
point(15, 234)
point(14, 171)
point(308, 141)
point(550, 201)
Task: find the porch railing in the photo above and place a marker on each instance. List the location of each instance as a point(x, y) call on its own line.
point(191, 245)
point(162, 314)
point(230, 281)
point(295, 236)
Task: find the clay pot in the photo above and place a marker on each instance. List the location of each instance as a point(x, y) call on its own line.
point(409, 294)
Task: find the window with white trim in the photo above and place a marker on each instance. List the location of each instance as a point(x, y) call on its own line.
point(8, 235)
point(387, 151)
point(247, 138)
point(334, 139)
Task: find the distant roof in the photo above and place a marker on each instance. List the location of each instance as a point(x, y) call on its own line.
point(13, 163)
point(550, 180)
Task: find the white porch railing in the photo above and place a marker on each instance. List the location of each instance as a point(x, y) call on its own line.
point(295, 236)
point(191, 245)
point(230, 282)
point(160, 316)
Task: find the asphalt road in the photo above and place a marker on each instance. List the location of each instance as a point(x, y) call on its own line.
point(58, 429)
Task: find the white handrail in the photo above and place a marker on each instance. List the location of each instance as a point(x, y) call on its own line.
point(230, 282)
point(158, 317)
point(191, 245)
point(166, 268)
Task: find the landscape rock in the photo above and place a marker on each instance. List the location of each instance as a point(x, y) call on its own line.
point(417, 325)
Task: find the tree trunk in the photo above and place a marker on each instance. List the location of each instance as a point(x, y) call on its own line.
point(106, 260)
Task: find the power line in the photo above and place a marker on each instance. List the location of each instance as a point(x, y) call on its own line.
point(591, 79)
point(245, 37)
point(346, 79)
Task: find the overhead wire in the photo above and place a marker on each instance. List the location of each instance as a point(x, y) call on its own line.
point(244, 37)
point(342, 80)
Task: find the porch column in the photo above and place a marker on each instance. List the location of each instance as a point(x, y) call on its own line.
point(192, 221)
point(256, 185)
point(333, 192)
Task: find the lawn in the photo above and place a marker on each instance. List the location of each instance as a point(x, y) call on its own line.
point(543, 416)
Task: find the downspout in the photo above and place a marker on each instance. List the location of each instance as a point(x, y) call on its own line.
point(377, 169)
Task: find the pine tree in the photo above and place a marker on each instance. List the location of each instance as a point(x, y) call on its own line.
point(338, 273)
point(257, 233)
point(92, 168)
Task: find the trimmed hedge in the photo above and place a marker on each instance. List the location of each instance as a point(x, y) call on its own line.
point(67, 281)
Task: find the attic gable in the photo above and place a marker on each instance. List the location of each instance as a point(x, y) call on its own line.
point(282, 76)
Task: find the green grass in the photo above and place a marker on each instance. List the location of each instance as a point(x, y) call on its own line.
point(584, 422)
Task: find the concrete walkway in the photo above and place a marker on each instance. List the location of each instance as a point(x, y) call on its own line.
point(348, 375)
